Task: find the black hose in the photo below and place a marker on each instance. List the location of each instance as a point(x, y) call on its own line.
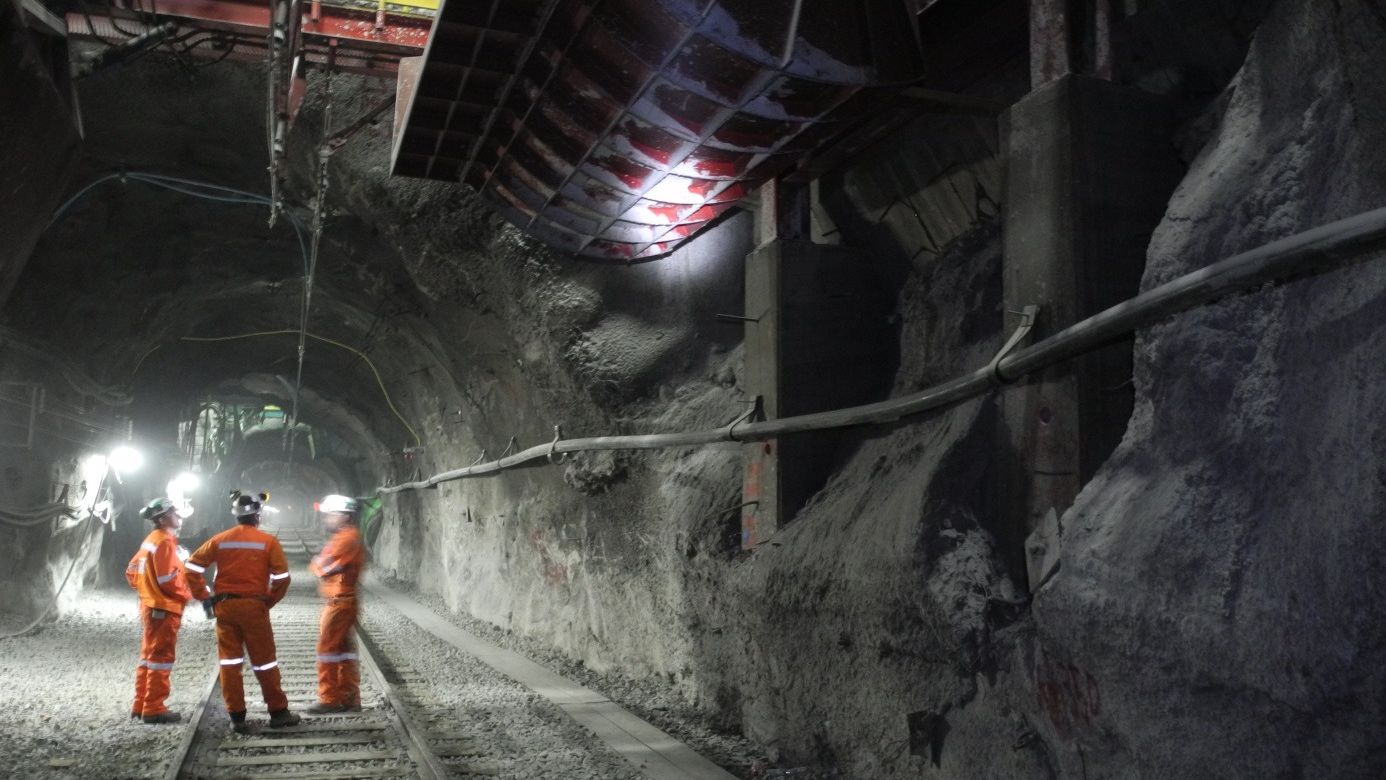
point(1312, 251)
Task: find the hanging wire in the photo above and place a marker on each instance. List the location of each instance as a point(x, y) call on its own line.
point(319, 210)
point(197, 189)
point(379, 381)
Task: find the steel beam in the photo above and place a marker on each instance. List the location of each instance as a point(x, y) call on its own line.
point(249, 47)
point(402, 35)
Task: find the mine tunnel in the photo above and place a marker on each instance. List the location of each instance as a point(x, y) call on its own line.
point(693, 389)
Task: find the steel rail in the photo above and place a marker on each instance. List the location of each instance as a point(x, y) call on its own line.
point(1310, 252)
point(426, 762)
point(399, 728)
point(181, 762)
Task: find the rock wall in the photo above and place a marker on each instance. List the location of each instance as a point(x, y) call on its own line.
point(46, 462)
point(878, 635)
point(1217, 608)
point(1214, 610)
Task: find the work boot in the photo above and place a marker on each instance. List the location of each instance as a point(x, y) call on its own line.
point(238, 723)
point(282, 718)
point(136, 715)
point(324, 708)
point(168, 716)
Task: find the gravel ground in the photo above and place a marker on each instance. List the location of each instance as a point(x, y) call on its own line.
point(65, 693)
point(519, 733)
point(648, 699)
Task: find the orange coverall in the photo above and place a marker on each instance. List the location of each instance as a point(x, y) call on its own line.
point(339, 566)
point(252, 576)
point(154, 574)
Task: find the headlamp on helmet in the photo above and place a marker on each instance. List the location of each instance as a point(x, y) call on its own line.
point(246, 504)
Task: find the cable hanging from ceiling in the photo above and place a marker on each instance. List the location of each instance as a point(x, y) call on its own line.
point(379, 381)
point(212, 192)
point(319, 208)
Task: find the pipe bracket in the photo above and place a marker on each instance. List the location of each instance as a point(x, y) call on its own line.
point(731, 428)
point(553, 446)
point(1027, 323)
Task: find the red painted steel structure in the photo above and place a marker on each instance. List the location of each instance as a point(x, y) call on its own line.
point(243, 25)
point(617, 129)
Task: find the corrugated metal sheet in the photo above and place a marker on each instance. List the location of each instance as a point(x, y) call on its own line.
point(618, 129)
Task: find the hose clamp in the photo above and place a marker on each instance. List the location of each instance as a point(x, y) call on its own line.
point(1027, 323)
point(553, 446)
point(730, 432)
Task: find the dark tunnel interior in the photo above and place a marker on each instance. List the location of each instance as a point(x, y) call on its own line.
point(693, 388)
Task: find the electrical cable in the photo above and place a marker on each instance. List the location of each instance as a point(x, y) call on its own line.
point(230, 42)
point(116, 27)
point(319, 208)
point(91, 27)
point(74, 376)
point(1309, 252)
point(36, 515)
point(378, 380)
point(190, 187)
point(219, 193)
point(194, 193)
point(56, 594)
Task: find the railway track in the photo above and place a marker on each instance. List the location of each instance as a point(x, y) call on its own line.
point(399, 732)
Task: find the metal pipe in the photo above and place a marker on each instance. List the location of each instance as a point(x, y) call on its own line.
point(115, 55)
point(1310, 252)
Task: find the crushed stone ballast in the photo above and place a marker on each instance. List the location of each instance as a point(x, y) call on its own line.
point(417, 723)
point(386, 739)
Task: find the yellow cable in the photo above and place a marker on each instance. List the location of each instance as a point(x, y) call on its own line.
point(325, 340)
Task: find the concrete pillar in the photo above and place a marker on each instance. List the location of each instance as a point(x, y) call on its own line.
point(1090, 169)
point(1070, 36)
point(818, 341)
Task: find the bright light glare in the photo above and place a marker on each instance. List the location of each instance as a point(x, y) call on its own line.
point(126, 460)
point(270, 509)
point(177, 491)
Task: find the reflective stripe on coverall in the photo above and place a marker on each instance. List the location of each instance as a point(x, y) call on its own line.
point(339, 566)
point(155, 573)
point(252, 576)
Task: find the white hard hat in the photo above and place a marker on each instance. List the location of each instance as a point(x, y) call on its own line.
point(336, 503)
point(243, 505)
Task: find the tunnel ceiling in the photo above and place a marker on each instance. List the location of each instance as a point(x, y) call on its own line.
point(130, 270)
point(617, 129)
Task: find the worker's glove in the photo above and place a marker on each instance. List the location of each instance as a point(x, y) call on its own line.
point(207, 609)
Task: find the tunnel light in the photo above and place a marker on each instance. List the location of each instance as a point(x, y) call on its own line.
point(270, 509)
point(126, 460)
point(187, 482)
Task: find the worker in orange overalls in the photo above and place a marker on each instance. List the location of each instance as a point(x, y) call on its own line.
point(154, 573)
point(338, 567)
point(252, 576)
